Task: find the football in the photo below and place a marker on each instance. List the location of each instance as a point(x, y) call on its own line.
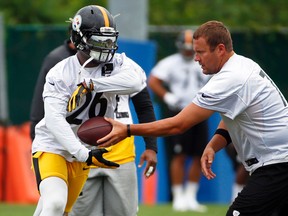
point(93, 129)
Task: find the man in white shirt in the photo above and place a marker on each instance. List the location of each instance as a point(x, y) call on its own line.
point(254, 116)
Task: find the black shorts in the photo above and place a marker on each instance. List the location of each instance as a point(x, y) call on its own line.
point(192, 142)
point(265, 193)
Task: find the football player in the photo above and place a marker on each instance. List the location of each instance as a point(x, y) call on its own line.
point(254, 117)
point(77, 88)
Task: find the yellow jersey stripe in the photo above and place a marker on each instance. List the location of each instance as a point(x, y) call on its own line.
point(105, 16)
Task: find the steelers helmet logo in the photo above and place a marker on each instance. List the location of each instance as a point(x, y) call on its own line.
point(77, 21)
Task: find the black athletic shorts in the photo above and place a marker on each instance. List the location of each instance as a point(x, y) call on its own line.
point(192, 142)
point(265, 194)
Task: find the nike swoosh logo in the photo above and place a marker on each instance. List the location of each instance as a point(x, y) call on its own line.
point(206, 96)
point(51, 83)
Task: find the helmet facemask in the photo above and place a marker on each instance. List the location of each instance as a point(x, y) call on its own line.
point(103, 45)
point(100, 45)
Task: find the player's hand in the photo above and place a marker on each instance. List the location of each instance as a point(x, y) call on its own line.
point(96, 158)
point(118, 133)
point(172, 101)
point(206, 162)
point(150, 157)
point(81, 90)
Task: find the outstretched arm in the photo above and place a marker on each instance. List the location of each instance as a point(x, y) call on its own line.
point(188, 117)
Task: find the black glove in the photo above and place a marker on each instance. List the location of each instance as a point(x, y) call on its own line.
point(96, 158)
point(81, 90)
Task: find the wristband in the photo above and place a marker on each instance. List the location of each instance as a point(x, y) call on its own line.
point(224, 133)
point(128, 130)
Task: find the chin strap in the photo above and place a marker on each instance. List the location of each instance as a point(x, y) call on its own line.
point(85, 63)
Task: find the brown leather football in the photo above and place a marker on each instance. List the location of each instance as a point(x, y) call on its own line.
point(93, 129)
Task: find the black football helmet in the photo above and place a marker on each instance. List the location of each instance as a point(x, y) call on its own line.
point(184, 43)
point(94, 32)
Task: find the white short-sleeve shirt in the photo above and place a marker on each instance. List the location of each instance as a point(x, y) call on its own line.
point(253, 109)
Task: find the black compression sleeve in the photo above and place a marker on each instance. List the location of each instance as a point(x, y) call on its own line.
point(145, 113)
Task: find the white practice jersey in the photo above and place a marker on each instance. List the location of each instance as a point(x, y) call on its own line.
point(56, 132)
point(253, 109)
point(184, 78)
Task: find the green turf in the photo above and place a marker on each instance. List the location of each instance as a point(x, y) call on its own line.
point(166, 210)
point(16, 210)
point(144, 210)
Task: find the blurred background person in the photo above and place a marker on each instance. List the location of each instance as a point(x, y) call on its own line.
point(176, 79)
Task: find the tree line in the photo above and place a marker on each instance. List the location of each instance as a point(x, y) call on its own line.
point(237, 13)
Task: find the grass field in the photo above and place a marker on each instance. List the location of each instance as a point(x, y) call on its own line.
point(156, 210)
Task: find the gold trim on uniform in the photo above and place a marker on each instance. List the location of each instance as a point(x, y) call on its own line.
point(122, 152)
point(73, 173)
